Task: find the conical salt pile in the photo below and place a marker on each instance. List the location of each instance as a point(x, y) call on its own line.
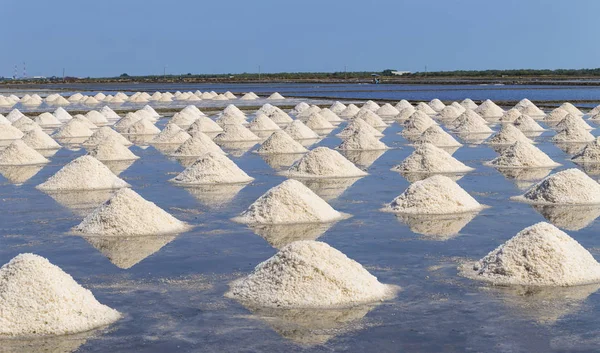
point(350, 111)
point(489, 109)
point(358, 124)
point(437, 137)
point(18, 153)
point(573, 134)
point(96, 118)
point(372, 106)
point(204, 124)
point(111, 150)
point(337, 107)
point(330, 116)
point(531, 110)
point(508, 135)
point(248, 96)
point(458, 107)
point(232, 109)
point(427, 158)
point(263, 123)
point(229, 95)
point(62, 115)
point(83, 173)
point(371, 118)
point(197, 146)
point(361, 141)
point(437, 194)
point(510, 115)
point(280, 117)
point(594, 111)
point(436, 105)
point(39, 140)
point(126, 122)
point(309, 274)
point(317, 122)
point(109, 114)
point(468, 104)
point(47, 120)
point(417, 123)
point(573, 110)
point(8, 132)
point(449, 113)
point(470, 123)
point(14, 115)
point(231, 119)
point(142, 127)
point(589, 154)
point(39, 299)
point(212, 168)
point(323, 162)
point(307, 112)
point(567, 187)
point(236, 133)
point(523, 155)
point(280, 142)
point(171, 134)
point(526, 123)
point(425, 108)
point(540, 255)
point(105, 133)
point(73, 128)
point(128, 214)
point(289, 203)
point(276, 95)
point(556, 115)
point(298, 131)
point(387, 110)
point(570, 121)
point(300, 107)
point(25, 124)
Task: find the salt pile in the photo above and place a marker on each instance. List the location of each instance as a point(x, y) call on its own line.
point(594, 111)
point(96, 118)
point(8, 132)
point(280, 117)
point(109, 114)
point(370, 105)
point(370, 118)
point(508, 135)
point(236, 133)
point(3, 120)
point(229, 95)
point(358, 124)
point(540, 255)
point(83, 173)
point(128, 214)
point(171, 133)
point(526, 123)
point(510, 115)
point(276, 95)
point(323, 162)
point(233, 110)
point(523, 155)
point(337, 107)
point(387, 110)
point(437, 137)
point(350, 111)
point(18, 153)
point(573, 110)
point(196, 146)
point(263, 123)
point(330, 116)
point(531, 110)
point(126, 122)
point(307, 112)
point(458, 107)
point(73, 128)
point(300, 107)
point(427, 158)
point(105, 133)
point(14, 115)
point(567, 187)
point(111, 150)
point(449, 112)
point(231, 119)
point(142, 127)
point(317, 122)
point(570, 121)
point(589, 154)
point(212, 168)
point(47, 120)
point(361, 140)
point(90, 101)
point(470, 123)
point(204, 124)
point(417, 123)
point(309, 274)
point(403, 104)
point(39, 140)
point(298, 131)
point(25, 124)
point(436, 105)
point(437, 194)
point(248, 96)
point(280, 142)
point(573, 134)
point(556, 115)
point(489, 109)
point(289, 203)
point(425, 108)
point(405, 113)
point(38, 298)
point(151, 110)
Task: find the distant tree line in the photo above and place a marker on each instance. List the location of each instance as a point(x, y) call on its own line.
point(505, 73)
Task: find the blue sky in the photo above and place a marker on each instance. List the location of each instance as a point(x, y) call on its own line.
point(110, 37)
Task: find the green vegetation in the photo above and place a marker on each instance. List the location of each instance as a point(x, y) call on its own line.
point(511, 73)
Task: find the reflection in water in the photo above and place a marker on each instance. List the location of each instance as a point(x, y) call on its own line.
point(329, 189)
point(237, 149)
point(82, 202)
point(363, 159)
point(18, 174)
point(412, 177)
point(569, 217)
point(125, 252)
point(474, 139)
point(118, 167)
point(140, 140)
point(524, 177)
point(571, 148)
point(281, 161)
point(437, 227)
point(280, 235)
point(47, 344)
point(215, 196)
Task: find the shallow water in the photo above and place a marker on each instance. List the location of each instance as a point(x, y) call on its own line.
point(170, 289)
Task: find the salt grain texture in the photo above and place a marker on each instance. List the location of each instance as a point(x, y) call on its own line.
point(526, 123)
point(508, 135)
point(330, 116)
point(556, 115)
point(417, 123)
point(262, 123)
point(96, 118)
point(589, 154)
point(276, 95)
point(171, 134)
point(204, 124)
point(183, 119)
point(47, 120)
point(300, 107)
point(370, 118)
point(280, 117)
point(572, 135)
point(39, 140)
point(18, 153)
point(323, 162)
point(280, 142)
point(425, 108)
point(105, 133)
point(236, 133)
point(437, 137)
point(427, 158)
point(436, 105)
point(361, 140)
point(317, 122)
point(358, 124)
point(489, 109)
point(126, 122)
point(471, 124)
point(111, 150)
point(372, 106)
point(8, 132)
point(196, 146)
point(299, 131)
point(405, 113)
point(531, 110)
point(448, 112)
point(142, 127)
point(567, 187)
point(231, 119)
point(350, 111)
point(570, 121)
point(25, 124)
point(510, 115)
point(308, 112)
point(387, 110)
point(403, 104)
point(73, 128)
point(523, 155)
point(337, 107)
point(571, 109)
point(14, 115)
point(212, 168)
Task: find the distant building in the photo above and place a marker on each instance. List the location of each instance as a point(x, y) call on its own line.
point(400, 73)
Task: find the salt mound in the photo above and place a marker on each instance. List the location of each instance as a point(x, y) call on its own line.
point(309, 274)
point(358, 124)
point(523, 155)
point(231, 119)
point(280, 117)
point(299, 108)
point(489, 109)
point(589, 154)
point(425, 108)
point(436, 105)
point(417, 123)
point(361, 140)
point(142, 127)
point(526, 124)
point(437, 194)
point(3, 120)
point(212, 168)
point(172, 133)
point(289, 203)
point(330, 116)
point(573, 134)
point(317, 122)
point(298, 131)
point(90, 101)
point(458, 107)
point(387, 110)
point(276, 95)
point(571, 109)
point(557, 114)
point(96, 118)
point(510, 115)
point(370, 105)
point(196, 146)
point(280, 142)
point(39, 140)
point(531, 110)
point(427, 158)
point(307, 112)
point(370, 118)
point(568, 187)
point(470, 123)
point(594, 111)
point(8, 132)
point(248, 96)
point(14, 115)
point(83, 173)
point(126, 121)
point(263, 123)
point(229, 95)
point(204, 124)
point(540, 255)
point(449, 112)
point(25, 124)
point(47, 119)
point(337, 107)
point(233, 110)
point(323, 162)
point(236, 133)
point(437, 137)
point(570, 121)
point(105, 133)
point(73, 128)
point(151, 110)
point(111, 150)
point(508, 135)
point(350, 111)
point(18, 153)
point(109, 114)
point(128, 214)
point(405, 113)
point(38, 298)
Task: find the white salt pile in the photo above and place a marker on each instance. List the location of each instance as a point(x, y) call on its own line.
point(236, 133)
point(47, 120)
point(289, 203)
point(449, 113)
point(427, 158)
point(309, 274)
point(300, 107)
point(39, 299)
point(589, 154)
point(437, 194)
point(330, 116)
point(387, 110)
point(247, 96)
point(262, 123)
point(142, 127)
point(231, 119)
point(75, 97)
point(8, 132)
point(417, 123)
point(425, 108)
point(105, 133)
point(126, 122)
point(556, 115)
point(317, 122)
point(109, 114)
point(276, 95)
point(232, 109)
point(573, 110)
point(212, 168)
point(358, 124)
point(299, 131)
point(337, 107)
point(570, 121)
point(111, 150)
point(526, 123)
point(437, 137)
point(151, 110)
point(508, 135)
point(62, 115)
point(405, 113)
point(371, 105)
point(436, 105)
point(39, 140)
point(229, 95)
point(531, 110)
point(83, 173)
point(280, 142)
point(523, 155)
point(171, 134)
point(573, 134)
point(370, 118)
point(14, 115)
point(18, 153)
point(361, 140)
point(280, 117)
point(90, 101)
point(539, 255)
point(307, 112)
point(25, 124)
point(567, 187)
point(128, 214)
point(458, 107)
point(489, 109)
point(196, 146)
point(510, 115)
point(594, 111)
point(470, 122)
point(73, 128)
point(323, 162)
point(96, 118)
point(350, 111)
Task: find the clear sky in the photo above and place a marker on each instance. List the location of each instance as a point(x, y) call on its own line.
point(110, 37)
